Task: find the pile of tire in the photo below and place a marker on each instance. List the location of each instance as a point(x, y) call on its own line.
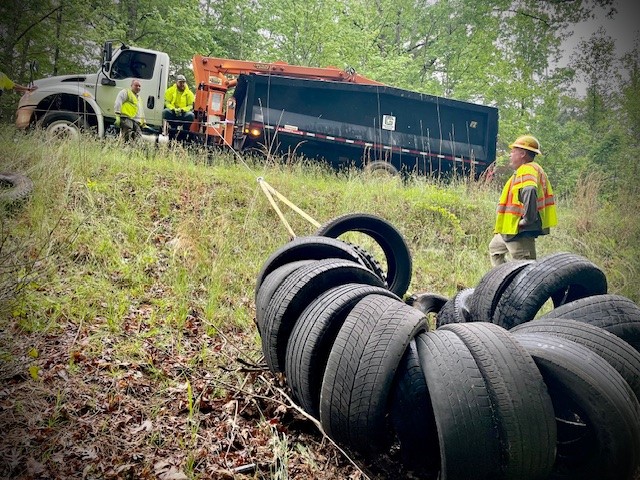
point(486, 394)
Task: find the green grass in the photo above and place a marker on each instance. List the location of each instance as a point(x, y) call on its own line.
point(138, 267)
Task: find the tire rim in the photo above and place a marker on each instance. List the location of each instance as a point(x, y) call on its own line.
point(63, 130)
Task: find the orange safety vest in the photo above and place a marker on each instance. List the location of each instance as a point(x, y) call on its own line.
point(510, 209)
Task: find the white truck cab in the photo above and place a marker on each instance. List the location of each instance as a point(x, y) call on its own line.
point(68, 104)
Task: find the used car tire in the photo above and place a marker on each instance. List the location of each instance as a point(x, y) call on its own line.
point(306, 248)
point(563, 277)
point(294, 295)
point(620, 355)
point(615, 313)
point(596, 411)
point(391, 241)
point(312, 337)
point(14, 187)
point(522, 408)
point(490, 288)
point(360, 370)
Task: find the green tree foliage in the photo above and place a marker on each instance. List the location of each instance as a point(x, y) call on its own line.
point(497, 52)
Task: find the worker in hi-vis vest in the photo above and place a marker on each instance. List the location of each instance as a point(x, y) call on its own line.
point(526, 208)
point(129, 112)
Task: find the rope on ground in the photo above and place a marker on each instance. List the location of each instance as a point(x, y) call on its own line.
point(269, 191)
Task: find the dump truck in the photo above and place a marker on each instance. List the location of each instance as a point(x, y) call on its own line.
point(324, 114)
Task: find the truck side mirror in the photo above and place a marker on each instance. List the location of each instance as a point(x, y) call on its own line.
point(107, 52)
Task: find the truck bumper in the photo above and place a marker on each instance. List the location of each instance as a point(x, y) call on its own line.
point(24, 116)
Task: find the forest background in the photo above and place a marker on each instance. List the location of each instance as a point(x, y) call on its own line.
point(504, 53)
point(122, 358)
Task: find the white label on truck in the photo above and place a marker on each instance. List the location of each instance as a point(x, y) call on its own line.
point(388, 122)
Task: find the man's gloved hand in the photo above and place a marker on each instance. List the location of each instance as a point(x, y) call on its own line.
point(143, 124)
point(117, 124)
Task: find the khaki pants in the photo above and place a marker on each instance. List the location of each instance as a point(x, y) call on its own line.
point(129, 129)
point(520, 249)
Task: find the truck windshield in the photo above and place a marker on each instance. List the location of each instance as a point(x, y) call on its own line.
point(132, 64)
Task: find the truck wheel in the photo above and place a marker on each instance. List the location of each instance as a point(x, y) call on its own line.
point(380, 168)
point(14, 187)
point(63, 124)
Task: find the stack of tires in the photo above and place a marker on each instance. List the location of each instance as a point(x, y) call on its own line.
point(488, 394)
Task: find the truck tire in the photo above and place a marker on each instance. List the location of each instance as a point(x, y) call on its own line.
point(14, 187)
point(306, 248)
point(562, 277)
point(360, 370)
point(294, 294)
point(380, 168)
point(461, 407)
point(522, 407)
point(620, 355)
point(312, 338)
point(596, 411)
point(396, 251)
point(60, 124)
point(615, 313)
point(491, 287)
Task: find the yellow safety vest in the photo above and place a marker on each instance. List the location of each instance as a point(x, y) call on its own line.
point(130, 106)
point(174, 98)
point(510, 209)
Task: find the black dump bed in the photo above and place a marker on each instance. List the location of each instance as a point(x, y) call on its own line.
point(350, 124)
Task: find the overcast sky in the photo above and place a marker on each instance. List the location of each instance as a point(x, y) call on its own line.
point(621, 28)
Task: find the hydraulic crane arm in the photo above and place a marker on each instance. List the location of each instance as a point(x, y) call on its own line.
point(212, 71)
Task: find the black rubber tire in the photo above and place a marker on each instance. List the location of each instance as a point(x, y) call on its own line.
point(596, 411)
point(620, 355)
point(369, 261)
point(427, 302)
point(63, 124)
point(295, 294)
point(468, 444)
point(412, 417)
point(14, 187)
point(455, 310)
point(563, 277)
point(522, 407)
point(270, 285)
point(360, 371)
point(380, 167)
point(491, 287)
point(312, 338)
point(306, 248)
point(391, 241)
point(615, 313)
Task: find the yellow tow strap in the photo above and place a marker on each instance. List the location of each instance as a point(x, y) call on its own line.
point(269, 191)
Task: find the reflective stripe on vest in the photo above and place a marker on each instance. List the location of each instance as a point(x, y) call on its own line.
point(510, 209)
point(130, 106)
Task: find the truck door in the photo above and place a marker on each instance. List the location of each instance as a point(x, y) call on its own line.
point(148, 67)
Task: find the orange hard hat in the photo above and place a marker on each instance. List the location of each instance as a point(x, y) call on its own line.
point(527, 142)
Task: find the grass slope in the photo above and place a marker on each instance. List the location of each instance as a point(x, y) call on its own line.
point(128, 347)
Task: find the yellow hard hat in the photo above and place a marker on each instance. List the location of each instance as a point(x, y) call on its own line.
point(527, 142)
